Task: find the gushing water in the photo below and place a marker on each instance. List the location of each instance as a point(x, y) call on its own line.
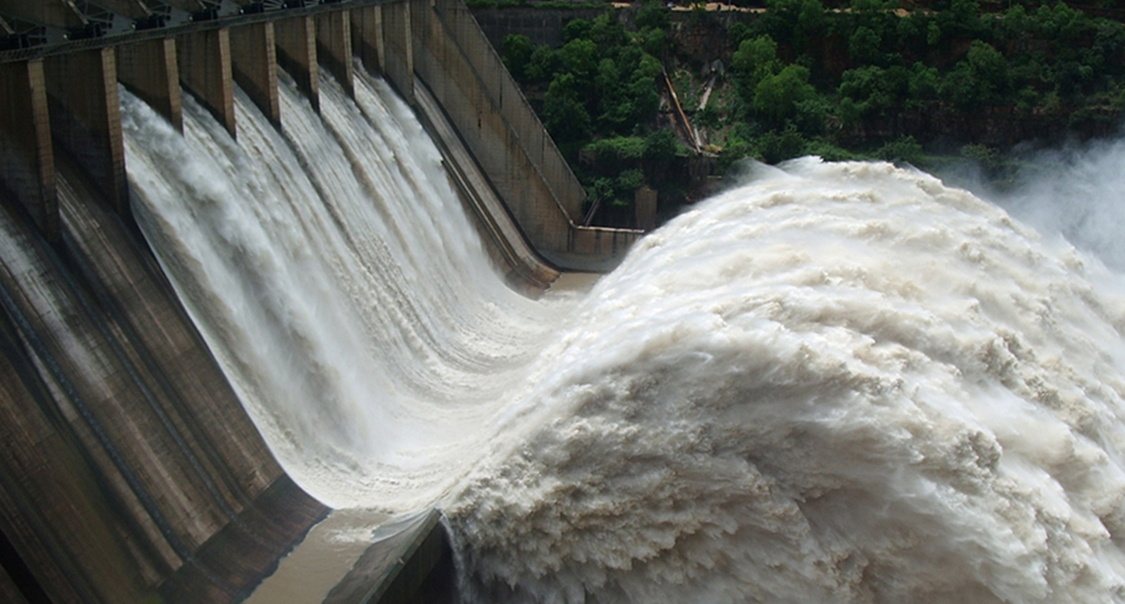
point(837, 383)
point(333, 273)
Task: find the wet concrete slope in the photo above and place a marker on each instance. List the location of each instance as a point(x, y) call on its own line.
point(128, 470)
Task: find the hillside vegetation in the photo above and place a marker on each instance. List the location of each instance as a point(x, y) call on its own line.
point(921, 84)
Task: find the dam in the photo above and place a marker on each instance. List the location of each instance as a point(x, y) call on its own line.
point(843, 382)
point(131, 469)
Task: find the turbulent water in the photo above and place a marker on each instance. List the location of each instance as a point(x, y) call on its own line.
point(836, 383)
point(839, 383)
point(335, 276)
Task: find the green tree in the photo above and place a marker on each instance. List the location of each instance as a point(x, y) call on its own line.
point(564, 112)
point(626, 185)
point(904, 149)
point(810, 21)
point(654, 41)
point(660, 145)
point(661, 149)
point(607, 32)
point(580, 57)
point(652, 14)
point(872, 90)
point(1062, 23)
point(865, 46)
point(774, 147)
point(982, 77)
point(576, 29)
point(755, 59)
point(543, 65)
point(738, 32)
point(754, 55)
point(517, 55)
point(777, 95)
point(1109, 43)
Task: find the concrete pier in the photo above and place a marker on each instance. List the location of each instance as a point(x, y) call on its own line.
point(296, 53)
point(254, 63)
point(149, 69)
point(27, 162)
point(367, 36)
point(205, 70)
point(398, 48)
point(85, 118)
point(334, 47)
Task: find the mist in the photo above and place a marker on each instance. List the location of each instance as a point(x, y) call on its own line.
point(1077, 193)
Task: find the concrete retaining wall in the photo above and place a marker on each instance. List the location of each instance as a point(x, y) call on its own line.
point(467, 77)
point(540, 25)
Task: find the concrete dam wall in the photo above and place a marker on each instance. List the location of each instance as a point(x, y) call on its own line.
point(129, 470)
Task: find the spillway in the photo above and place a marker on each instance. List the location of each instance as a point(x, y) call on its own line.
point(334, 274)
point(835, 383)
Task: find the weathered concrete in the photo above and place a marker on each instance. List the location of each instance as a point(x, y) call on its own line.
point(398, 48)
point(367, 36)
point(86, 118)
point(254, 63)
point(541, 25)
point(644, 202)
point(467, 77)
point(296, 53)
point(128, 468)
point(205, 70)
point(27, 162)
point(334, 46)
point(523, 267)
point(411, 562)
point(505, 96)
point(150, 71)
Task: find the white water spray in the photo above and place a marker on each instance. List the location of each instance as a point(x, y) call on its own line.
point(1076, 192)
point(335, 276)
point(839, 383)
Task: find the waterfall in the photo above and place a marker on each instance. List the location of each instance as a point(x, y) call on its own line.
point(838, 382)
point(335, 276)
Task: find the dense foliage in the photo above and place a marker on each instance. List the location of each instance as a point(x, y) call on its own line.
point(600, 99)
point(867, 79)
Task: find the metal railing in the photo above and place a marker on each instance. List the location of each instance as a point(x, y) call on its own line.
point(161, 25)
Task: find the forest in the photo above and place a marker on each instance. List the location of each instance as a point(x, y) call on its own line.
point(947, 81)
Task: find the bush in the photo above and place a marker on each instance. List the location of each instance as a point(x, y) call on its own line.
point(563, 111)
point(776, 96)
point(661, 145)
point(518, 50)
point(775, 147)
point(617, 149)
point(652, 15)
point(904, 149)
